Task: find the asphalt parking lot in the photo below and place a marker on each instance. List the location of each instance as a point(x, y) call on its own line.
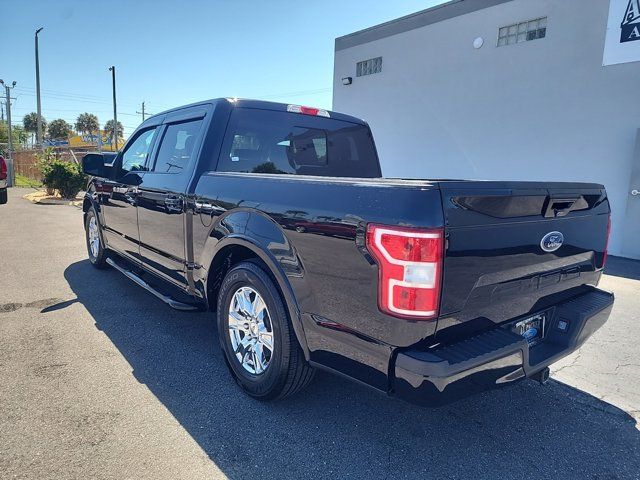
point(98, 379)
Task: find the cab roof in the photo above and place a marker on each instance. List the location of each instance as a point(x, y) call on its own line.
point(258, 104)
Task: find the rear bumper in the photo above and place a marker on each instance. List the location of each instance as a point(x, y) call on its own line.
point(497, 357)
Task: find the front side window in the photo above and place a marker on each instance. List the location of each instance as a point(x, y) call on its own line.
point(265, 141)
point(177, 147)
point(135, 156)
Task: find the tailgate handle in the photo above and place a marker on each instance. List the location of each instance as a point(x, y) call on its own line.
point(559, 207)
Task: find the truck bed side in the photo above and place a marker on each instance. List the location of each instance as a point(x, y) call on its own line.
point(313, 230)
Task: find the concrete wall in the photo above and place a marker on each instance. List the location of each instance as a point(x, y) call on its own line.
point(540, 110)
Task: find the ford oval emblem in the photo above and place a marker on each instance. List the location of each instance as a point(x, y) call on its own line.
point(552, 241)
point(531, 333)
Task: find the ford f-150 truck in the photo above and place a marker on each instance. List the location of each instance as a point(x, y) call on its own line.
point(277, 218)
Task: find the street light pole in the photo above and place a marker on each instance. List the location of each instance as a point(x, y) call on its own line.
point(11, 176)
point(39, 122)
point(115, 112)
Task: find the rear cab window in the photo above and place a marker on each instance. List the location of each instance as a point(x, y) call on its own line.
point(266, 141)
point(177, 147)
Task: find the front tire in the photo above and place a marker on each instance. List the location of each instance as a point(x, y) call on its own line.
point(256, 335)
point(95, 244)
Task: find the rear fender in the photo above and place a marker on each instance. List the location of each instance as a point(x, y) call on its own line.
point(258, 233)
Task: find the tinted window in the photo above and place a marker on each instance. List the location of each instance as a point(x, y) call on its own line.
point(177, 147)
point(135, 156)
point(264, 141)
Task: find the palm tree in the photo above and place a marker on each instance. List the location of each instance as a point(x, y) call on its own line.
point(87, 123)
point(59, 129)
point(108, 129)
point(30, 122)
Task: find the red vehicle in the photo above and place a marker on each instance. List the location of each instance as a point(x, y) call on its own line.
point(3, 180)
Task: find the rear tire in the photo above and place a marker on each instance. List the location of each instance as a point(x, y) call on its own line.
point(95, 244)
point(244, 329)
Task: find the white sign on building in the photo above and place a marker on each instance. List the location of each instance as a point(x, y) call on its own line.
point(622, 43)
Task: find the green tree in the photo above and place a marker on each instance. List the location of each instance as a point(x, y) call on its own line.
point(59, 129)
point(18, 136)
point(108, 128)
point(87, 123)
point(30, 122)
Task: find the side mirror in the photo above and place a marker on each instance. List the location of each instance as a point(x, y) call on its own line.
point(98, 164)
point(93, 164)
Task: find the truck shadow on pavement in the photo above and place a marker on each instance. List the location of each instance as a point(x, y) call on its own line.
point(623, 267)
point(339, 429)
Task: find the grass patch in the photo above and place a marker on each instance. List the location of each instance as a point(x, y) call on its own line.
point(22, 181)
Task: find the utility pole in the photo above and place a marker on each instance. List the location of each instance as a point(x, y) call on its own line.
point(39, 132)
point(142, 112)
point(8, 103)
point(115, 113)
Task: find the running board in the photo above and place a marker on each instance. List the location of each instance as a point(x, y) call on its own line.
point(139, 281)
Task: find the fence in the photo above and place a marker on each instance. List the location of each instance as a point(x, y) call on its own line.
point(25, 162)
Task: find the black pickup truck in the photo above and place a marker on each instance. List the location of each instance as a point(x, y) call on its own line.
point(277, 218)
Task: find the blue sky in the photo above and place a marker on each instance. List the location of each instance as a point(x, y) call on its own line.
point(168, 53)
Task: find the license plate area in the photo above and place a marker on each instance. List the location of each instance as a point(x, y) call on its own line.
point(531, 328)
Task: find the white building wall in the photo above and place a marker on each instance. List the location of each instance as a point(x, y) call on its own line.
point(540, 110)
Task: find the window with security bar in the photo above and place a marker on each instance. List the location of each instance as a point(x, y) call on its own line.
point(522, 32)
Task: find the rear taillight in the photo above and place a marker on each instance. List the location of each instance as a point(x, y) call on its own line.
point(410, 270)
point(3, 168)
point(606, 244)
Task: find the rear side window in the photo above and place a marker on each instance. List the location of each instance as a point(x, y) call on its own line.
point(265, 141)
point(177, 147)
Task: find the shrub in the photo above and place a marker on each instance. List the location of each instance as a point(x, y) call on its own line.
point(45, 159)
point(66, 177)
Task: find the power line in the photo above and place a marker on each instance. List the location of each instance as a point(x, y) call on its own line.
point(60, 92)
point(69, 99)
point(29, 110)
point(98, 100)
point(68, 96)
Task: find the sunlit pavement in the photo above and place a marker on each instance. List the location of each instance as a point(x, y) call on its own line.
point(608, 365)
point(98, 379)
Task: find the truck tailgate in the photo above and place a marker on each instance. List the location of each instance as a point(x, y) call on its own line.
point(517, 247)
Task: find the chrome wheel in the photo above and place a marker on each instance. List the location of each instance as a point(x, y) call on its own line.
point(94, 237)
point(250, 330)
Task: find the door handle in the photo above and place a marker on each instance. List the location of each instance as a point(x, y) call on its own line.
point(130, 195)
point(204, 207)
point(173, 203)
point(635, 192)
